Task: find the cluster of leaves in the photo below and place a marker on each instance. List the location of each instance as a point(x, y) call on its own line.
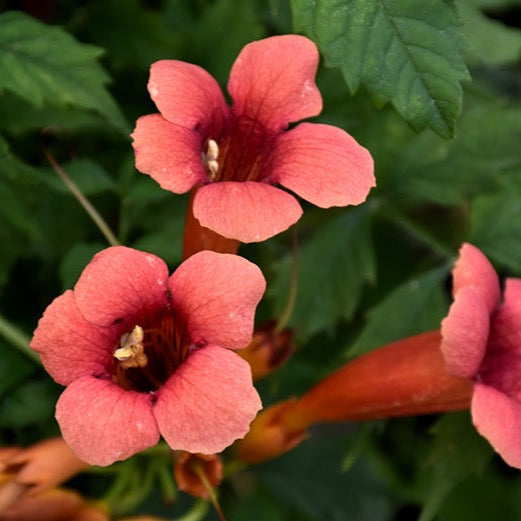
point(431, 88)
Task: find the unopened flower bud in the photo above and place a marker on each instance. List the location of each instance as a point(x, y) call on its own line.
point(197, 473)
point(268, 350)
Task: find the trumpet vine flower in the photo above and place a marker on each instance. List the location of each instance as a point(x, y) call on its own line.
point(482, 341)
point(235, 156)
point(145, 354)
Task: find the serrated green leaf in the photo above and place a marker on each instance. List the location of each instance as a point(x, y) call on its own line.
point(458, 452)
point(333, 267)
point(402, 51)
point(44, 64)
point(416, 306)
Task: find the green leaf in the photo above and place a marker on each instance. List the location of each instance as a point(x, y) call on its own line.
point(402, 51)
point(480, 160)
point(18, 116)
point(30, 404)
point(311, 479)
point(75, 261)
point(16, 181)
point(264, 508)
point(333, 267)
point(89, 177)
point(242, 26)
point(495, 226)
point(490, 40)
point(133, 35)
point(14, 368)
point(416, 306)
point(46, 65)
point(457, 453)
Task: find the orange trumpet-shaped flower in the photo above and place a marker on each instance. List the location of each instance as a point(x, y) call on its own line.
point(198, 238)
point(54, 505)
point(406, 377)
point(35, 468)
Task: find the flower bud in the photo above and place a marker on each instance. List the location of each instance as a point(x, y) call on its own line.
point(268, 350)
point(196, 473)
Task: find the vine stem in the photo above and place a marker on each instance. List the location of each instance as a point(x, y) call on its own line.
point(18, 339)
point(198, 469)
point(87, 206)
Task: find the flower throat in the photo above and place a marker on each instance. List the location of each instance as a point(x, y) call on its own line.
point(148, 355)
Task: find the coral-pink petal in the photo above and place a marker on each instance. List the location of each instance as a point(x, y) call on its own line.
point(68, 345)
point(208, 402)
point(168, 153)
point(507, 320)
point(187, 95)
point(103, 423)
point(273, 81)
point(119, 285)
point(217, 294)
point(323, 164)
point(465, 333)
point(473, 269)
point(246, 211)
point(497, 417)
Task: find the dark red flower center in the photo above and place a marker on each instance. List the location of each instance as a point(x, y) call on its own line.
point(239, 153)
point(150, 353)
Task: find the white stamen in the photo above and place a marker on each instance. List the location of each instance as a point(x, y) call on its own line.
point(212, 167)
point(210, 159)
point(212, 150)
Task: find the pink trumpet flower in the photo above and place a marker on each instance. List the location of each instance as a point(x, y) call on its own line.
point(145, 354)
point(236, 155)
point(482, 341)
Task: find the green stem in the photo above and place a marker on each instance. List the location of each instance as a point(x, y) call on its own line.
point(87, 206)
point(18, 339)
point(199, 470)
point(166, 480)
point(196, 513)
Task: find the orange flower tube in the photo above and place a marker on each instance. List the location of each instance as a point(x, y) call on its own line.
point(198, 238)
point(406, 377)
